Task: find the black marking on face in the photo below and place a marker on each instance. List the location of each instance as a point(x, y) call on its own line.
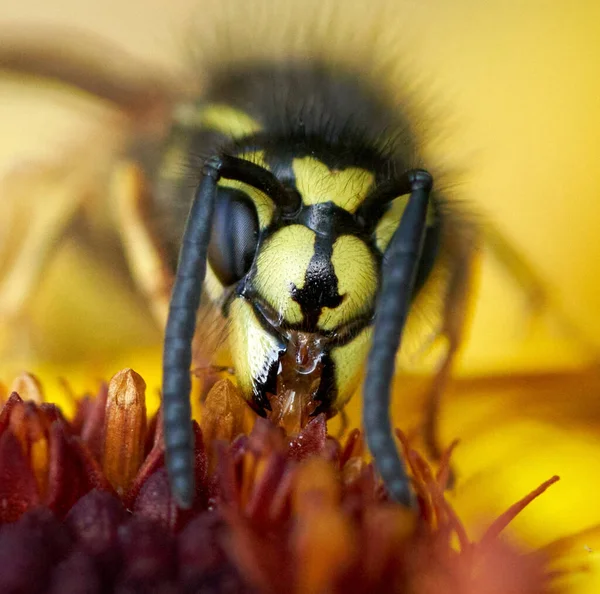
point(320, 285)
point(327, 392)
point(328, 221)
point(320, 289)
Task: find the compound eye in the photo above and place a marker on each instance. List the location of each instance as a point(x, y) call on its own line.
point(234, 236)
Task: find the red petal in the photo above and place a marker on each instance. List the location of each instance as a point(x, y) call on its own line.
point(509, 515)
point(18, 487)
point(156, 498)
point(72, 471)
point(77, 574)
point(94, 521)
point(354, 446)
point(92, 428)
point(200, 546)
point(5, 413)
point(200, 468)
point(24, 560)
point(260, 506)
point(155, 502)
point(148, 551)
point(154, 461)
point(310, 441)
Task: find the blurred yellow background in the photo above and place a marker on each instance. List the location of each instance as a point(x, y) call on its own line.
point(514, 84)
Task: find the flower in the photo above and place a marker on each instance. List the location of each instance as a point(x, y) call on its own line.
point(86, 507)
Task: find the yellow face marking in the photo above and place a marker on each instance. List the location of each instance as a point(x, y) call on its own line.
point(283, 260)
point(389, 222)
point(317, 183)
point(218, 117)
point(263, 204)
point(349, 362)
point(391, 219)
point(355, 269)
point(253, 349)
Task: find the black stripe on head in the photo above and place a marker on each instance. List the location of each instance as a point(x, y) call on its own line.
point(320, 284)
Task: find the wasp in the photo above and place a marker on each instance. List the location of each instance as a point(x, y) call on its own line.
point(288, 199)
point(312, 229)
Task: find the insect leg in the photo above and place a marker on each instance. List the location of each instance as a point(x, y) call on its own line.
point(36, 227)
point(539, 296)
point(131, 194)
point(92, 65)
point(454, 316)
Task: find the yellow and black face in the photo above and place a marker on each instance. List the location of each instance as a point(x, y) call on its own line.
point(305, 284)
point(297, 289)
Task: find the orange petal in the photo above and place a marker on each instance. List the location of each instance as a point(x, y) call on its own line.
point(30, 425)
point(316, 486)
point(225, 415)
point(125, 429)
point(324, 540)
point(325, 546)
point(28, 387)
